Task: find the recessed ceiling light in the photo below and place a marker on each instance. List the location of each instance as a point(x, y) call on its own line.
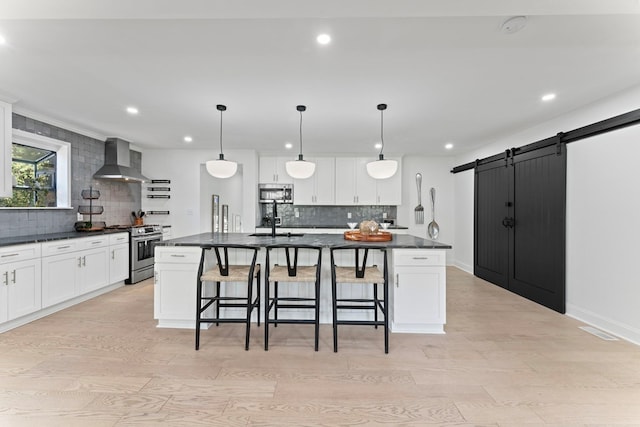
point(132, 110)
point(378, 145)
point(324, 39)
point(448, 146)
point(548, 97)
point(188, 139)
point(288, 146)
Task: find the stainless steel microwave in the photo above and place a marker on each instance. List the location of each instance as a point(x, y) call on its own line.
point(280, 193)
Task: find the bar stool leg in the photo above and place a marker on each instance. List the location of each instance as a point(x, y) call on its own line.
point(217, 302)
point(198, 309)
point(249, 310)
point(375, 304)
point(335, 304)
point(258, 300)
point(275, 304)
point(266, 312)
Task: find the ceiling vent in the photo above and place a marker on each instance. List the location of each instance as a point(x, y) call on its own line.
point(513, 24)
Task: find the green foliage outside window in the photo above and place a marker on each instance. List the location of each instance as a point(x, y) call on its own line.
point(33, 184)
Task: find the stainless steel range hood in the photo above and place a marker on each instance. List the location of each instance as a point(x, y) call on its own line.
point(117, 163)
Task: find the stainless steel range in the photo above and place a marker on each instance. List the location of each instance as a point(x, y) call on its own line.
point(142, 244)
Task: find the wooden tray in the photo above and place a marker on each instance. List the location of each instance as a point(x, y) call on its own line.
point(380, 236)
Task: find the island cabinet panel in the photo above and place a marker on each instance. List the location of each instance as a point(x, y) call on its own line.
point(174, 292)
point(419, 291)
point(20, 292)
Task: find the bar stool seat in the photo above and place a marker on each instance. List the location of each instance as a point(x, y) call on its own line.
point(291, 273)
point(223, 272)
point(360, 273)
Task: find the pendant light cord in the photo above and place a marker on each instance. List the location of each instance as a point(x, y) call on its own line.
point(300, 133)
point(381, 131)
point(220, 131)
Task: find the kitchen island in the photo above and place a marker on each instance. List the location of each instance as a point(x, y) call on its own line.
point(417, 276)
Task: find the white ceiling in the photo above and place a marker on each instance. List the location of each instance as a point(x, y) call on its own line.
point(444, 67)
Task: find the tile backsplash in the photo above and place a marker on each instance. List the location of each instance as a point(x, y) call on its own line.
point(87, 156)
point(326, 215)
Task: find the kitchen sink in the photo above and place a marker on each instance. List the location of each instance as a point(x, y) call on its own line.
point(277, 234)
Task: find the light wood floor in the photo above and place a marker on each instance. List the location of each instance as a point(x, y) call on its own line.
point(504, 362)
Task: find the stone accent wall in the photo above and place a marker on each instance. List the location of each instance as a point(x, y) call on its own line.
point(87, 156)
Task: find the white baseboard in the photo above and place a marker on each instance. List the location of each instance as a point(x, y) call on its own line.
point(464, 267)
point(57, 307)
point(611, 326)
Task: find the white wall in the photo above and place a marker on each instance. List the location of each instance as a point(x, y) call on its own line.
point(600, 189)
point(436, 173)
point(183, 168)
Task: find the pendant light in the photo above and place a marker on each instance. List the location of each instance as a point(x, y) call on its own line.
point(300, 169)
point(381, 168)
point(221, 168)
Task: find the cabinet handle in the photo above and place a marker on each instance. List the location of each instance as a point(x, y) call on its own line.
point(10, 255)
point(113, 254)
point(84, 261)
point(155, 277)
point(13, 276)
point(420, 257)
point(6, 278)
point(96, 242)
point(177, 256)
point(64, 247)
point(79, 261)
point(397, 280)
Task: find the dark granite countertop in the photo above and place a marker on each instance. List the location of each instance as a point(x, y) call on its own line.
point(333, 227)
point(403, 241)
point(38, 238)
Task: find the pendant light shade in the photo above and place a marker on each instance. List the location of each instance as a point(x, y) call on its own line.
point(300, 169)
point(221, 168)
point(381, 168)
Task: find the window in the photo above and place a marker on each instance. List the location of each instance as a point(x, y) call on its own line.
point(40, 172)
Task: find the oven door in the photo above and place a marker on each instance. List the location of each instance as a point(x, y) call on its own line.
point(142, 249)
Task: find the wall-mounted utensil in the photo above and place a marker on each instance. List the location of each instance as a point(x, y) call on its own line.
point(419, 210)
point(433, 229)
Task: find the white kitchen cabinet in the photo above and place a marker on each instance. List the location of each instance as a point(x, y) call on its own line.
point(74, 267)
point(272, 170)
point(418, 297)
point(319, 189)
point(353, 185)
point(5, 150)
point(118, 257)
point(389, 191)
point(174, 293)
point(20, 272)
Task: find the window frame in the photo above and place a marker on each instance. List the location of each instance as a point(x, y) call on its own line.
point(63, 165)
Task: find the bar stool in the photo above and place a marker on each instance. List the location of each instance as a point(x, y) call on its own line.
point(291, 273)
point(223, 272)
point(362, 274)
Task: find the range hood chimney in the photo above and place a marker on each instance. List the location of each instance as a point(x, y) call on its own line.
point(117, 163)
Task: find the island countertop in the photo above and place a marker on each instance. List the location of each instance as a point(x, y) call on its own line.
point(399, 241)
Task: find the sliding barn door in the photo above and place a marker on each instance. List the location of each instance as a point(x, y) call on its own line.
point(523, 216)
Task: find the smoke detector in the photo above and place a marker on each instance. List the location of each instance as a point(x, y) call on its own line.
point(513, 24)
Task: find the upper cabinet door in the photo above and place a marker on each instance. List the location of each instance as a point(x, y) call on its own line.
point(319, 188)
point(325, 177)
point(365, 185)
point(5, 150)
point(345, 181)
point(390, 190)
point(272, 170)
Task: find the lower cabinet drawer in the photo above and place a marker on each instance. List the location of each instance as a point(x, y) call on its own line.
point(177, 254)
point(19, 253)
point(419, 257)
